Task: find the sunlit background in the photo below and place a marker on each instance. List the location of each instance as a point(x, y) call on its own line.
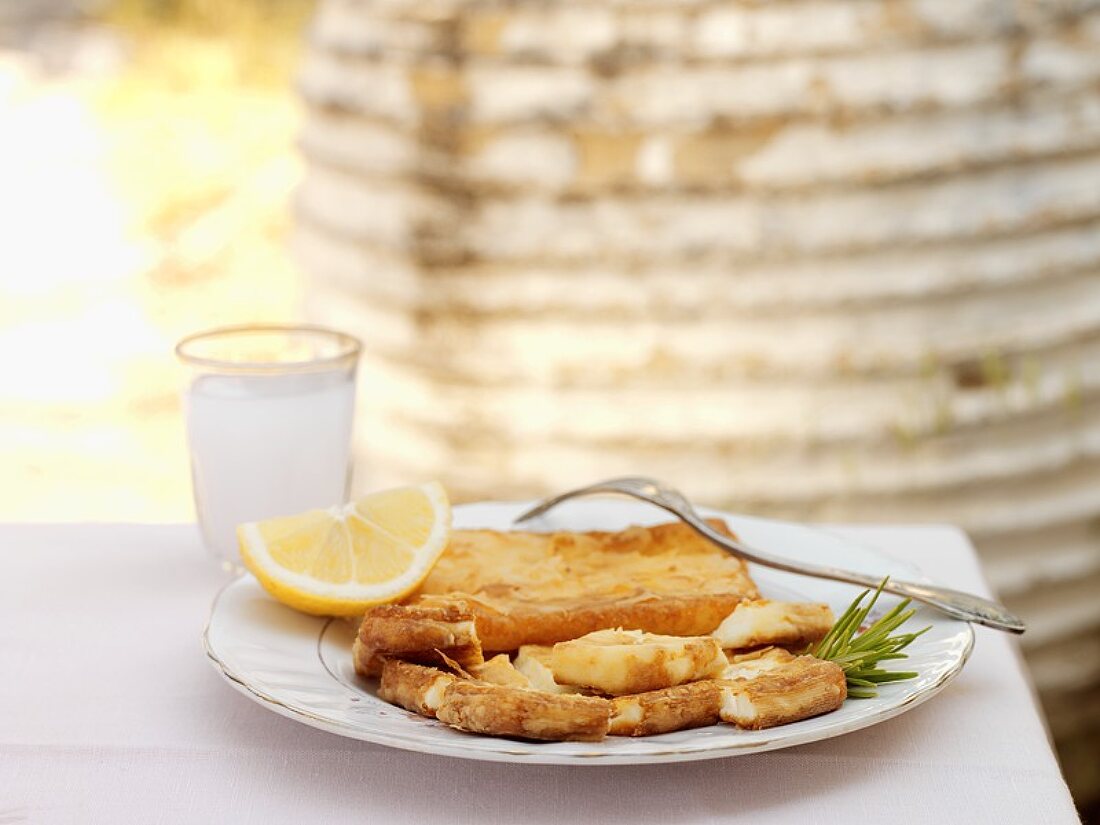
point(147, 165)
point(825, 260)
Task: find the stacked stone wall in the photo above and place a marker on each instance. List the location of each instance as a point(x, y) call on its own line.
point(821, 259)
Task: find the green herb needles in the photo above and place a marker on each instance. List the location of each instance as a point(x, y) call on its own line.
point(859, 654)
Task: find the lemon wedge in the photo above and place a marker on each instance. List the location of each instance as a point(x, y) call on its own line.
point(340, 561)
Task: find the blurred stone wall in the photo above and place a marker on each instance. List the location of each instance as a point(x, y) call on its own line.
point(824, 259)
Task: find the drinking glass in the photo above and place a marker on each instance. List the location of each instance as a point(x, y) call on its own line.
point(269, 412)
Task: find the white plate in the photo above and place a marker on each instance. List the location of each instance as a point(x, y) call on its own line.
point(301, 667)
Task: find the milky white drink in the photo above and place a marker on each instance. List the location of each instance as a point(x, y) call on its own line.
point(265, 444)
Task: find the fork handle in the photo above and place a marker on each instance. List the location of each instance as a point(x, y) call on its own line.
point(955, 603)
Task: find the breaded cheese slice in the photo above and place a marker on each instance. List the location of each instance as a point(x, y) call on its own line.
point(499, 671)
point(536, 663)
point(427, 635)
point(500, 710)
point(619, 662)
point(413, 687)
point(495, 709)
point(763, 622)
point(796, 690)
point(753, 684)
point(752, 664)
point(692, 705)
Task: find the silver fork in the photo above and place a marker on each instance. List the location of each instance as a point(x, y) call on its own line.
point(965, 606)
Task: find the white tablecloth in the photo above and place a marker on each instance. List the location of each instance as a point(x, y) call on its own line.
point(110, 712)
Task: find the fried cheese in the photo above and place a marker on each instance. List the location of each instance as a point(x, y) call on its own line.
point(542, 588)
point(499, 671)
point(620, 662)
point(501, 710)
point(554, 597)
point(762, 622)
point(536, 663)
point(425, 634)
point(693, 705)
point(413, 687)
point(793, 691)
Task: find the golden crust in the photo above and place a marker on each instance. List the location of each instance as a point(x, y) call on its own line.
point(499, 671)
point(778, 687)
point(769, 653)
point(749, 665)
point(756, 622)
point(799, 689)
point(533, 588)
point(548, 623)
point(620, 662)
point(536, 663)
point(792, 690)
point(418, 634)
point(503, 591)
point(542, 588)
point(413, 687)
point(500, 710)
point(693, 705)
point(664, 559)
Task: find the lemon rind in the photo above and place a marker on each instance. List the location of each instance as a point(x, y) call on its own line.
point(333, 597)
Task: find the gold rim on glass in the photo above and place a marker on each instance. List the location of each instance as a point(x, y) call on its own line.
point(345, 348)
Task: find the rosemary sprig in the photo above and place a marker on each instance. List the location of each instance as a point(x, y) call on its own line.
point(859, 653)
